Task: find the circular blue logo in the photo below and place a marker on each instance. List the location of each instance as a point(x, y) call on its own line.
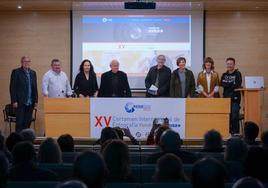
point(129, 107)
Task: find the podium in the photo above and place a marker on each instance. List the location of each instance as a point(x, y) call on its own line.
point(252, 105)
point(72, 116)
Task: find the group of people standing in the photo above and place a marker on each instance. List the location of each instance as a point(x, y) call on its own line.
point(114, 83)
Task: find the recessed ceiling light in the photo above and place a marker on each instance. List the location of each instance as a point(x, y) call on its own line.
point(19, 7)
point(257, 7)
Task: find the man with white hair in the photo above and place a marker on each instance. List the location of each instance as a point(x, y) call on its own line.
point(114, 83)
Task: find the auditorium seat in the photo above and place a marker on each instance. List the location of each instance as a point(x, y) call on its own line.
point(69, 157)
point(32, 184)
point(215, 155)
point(123, 185)
point(64, 171)
point(167, 185)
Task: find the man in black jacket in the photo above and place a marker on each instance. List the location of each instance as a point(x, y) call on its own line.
point(159, 76)
point(23, 93)
point(114, 83)
point(230, 81)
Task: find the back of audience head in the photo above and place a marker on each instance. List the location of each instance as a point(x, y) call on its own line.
point(23, 152)
point(251, 131)
point(169, 169)
point(66, 143)
point(28, 135)
point(264, 139)
point(248, 182)
point(236, 149)
point(12, 140)
point(208, 173)
point(90, 168)
point(116, 156)
point(158, 132)
point(72, 184)
point(108, 133)
point(3, 170)
point(170, 141)
point(49, 152)
point(2, 142)
point(213, 141)
point(256, 163)
point(119, 132)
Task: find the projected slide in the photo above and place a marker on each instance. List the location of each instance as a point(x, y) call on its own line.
point(135, 41)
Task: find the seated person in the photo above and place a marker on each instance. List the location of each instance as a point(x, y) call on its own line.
point(116, 157)
point(159, 126)
point(212, 142)
point(170, 142)
point(235, 154)
point(121, 132)
point(66, 143)
point(49, 152)
point(169, 169)
point(264, 139)
point(72, 184)
point(24, 167)
point(251, 132)
point(107, 133)
point(3, 170)
point(90, 168)
point(208, 173)
point(248, 182)
point(28, 135)
point(256, 163)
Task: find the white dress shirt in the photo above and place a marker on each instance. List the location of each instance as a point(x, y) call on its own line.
point(56, 85)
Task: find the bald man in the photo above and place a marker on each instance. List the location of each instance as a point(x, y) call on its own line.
point(23, 93)
point(114, 83)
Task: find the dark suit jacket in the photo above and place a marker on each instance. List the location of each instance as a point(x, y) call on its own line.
point(185, 156)
point(18, 86)
point(106, 86)
point(163, 80)
point(175, 84)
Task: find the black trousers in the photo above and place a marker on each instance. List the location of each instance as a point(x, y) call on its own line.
point(234, 118)
point(23, 117)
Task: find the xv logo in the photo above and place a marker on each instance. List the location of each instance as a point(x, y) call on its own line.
point(99, 121)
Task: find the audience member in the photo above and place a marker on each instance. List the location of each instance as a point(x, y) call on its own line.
point(66, 143)
point(24, 167)
point(251, 131)
point(90, 168)
point(72, 184)
point(169, 169)
point(248, 182)
point(116, 156)
point(212, 142)
point(170, 142)
point(28, 135)
point(49, 152)
point(12, 140)
point(3, 170)
point(208, 173)
point(264, 139)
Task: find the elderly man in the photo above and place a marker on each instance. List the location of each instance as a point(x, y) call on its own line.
point(23, 93)
point(158, 76)
point(55, 82)
point(114, 83)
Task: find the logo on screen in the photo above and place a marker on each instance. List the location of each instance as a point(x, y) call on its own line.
point(130, 107)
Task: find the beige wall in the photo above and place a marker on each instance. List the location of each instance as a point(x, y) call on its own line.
point(244, 36)
point(46, 35)
point(40, 35)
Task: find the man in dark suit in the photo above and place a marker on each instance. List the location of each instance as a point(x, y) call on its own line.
point(23, 93)
point(159, 76)
point(114, 83)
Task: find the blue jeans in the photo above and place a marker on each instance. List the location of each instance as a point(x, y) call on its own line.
point(234, 118)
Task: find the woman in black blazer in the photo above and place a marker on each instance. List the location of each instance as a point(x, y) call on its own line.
point(85, 84)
